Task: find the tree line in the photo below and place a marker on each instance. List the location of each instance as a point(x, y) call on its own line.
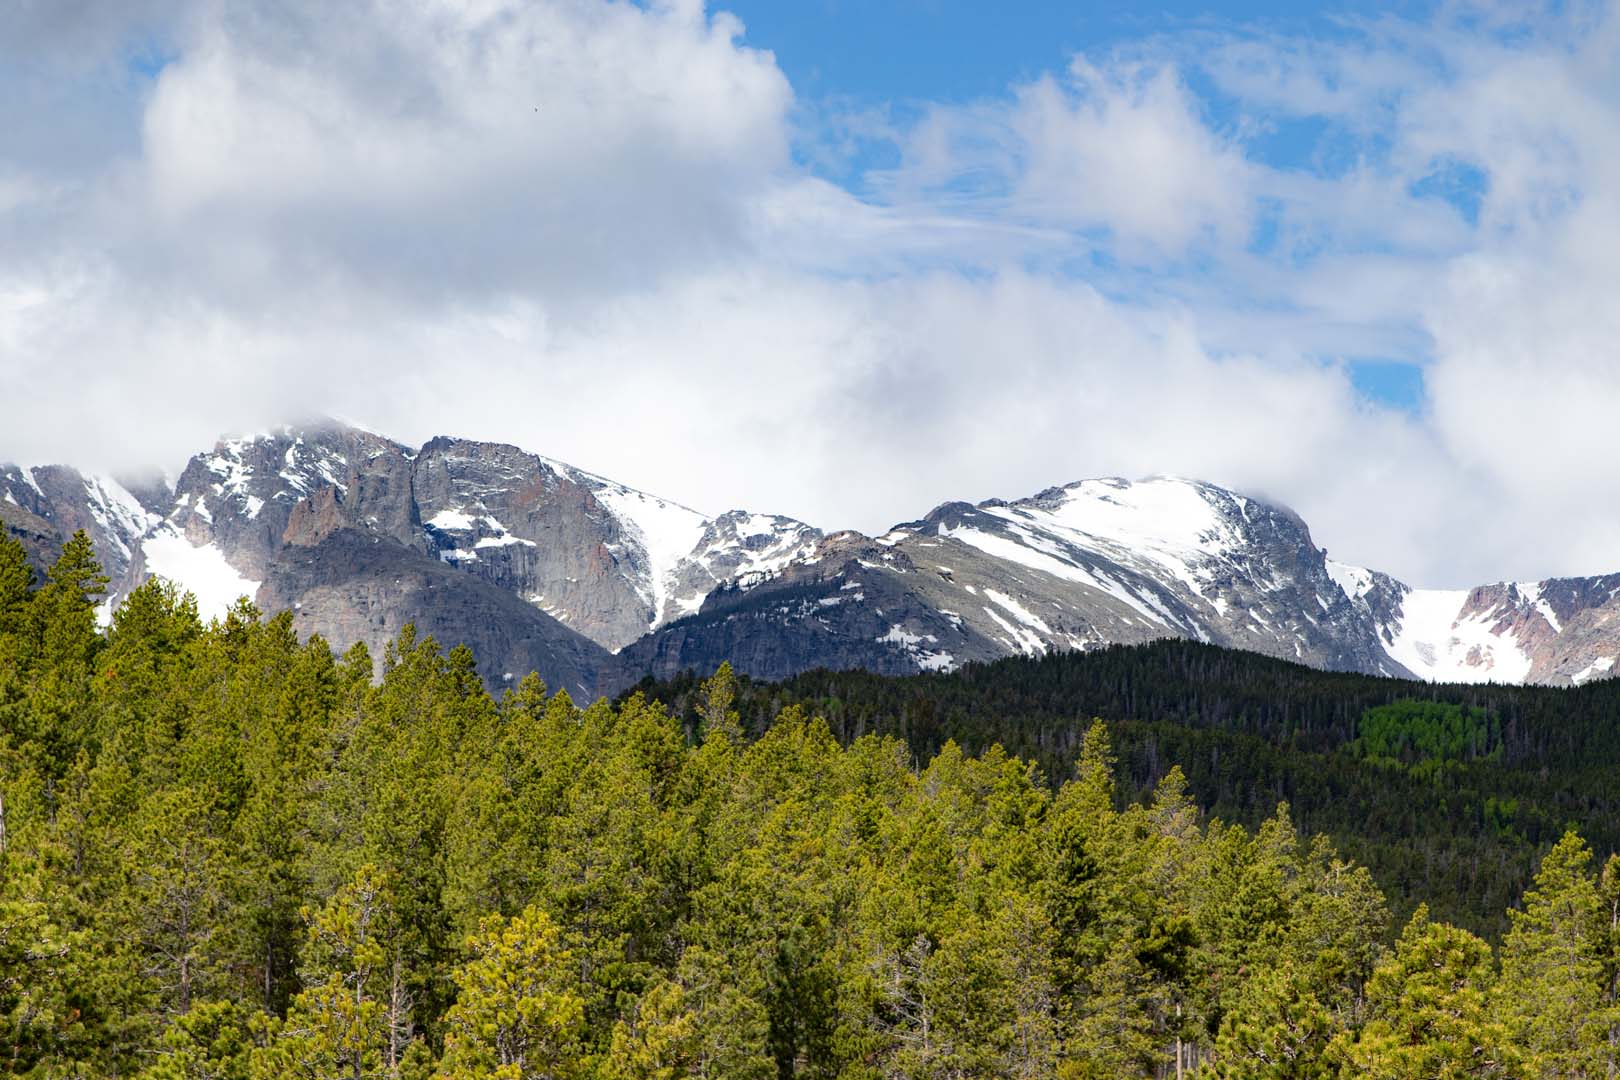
point(229, 853)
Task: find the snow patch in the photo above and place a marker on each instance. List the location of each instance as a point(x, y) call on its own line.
point(1023, 640)
point(1010, 550)
point(506, 539)
point(1356, 581)
point(666, 534)
point(1434, 641)
point(1167, 521)
point(926, 659)
point(201, 571)
point(451, 520)
point(1019, 611)
point(1593, 670)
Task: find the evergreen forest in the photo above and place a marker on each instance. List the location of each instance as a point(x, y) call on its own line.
point(229, 853)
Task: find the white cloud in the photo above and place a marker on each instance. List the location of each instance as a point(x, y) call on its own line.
point(1125, 149)
point(444, 150)
point(578, 226)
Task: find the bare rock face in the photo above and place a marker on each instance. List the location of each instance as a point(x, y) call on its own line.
point(535, 529)
point(41, 540)
point(354, 586)
point(242, 497)
point(853, 604)
point(541, 566)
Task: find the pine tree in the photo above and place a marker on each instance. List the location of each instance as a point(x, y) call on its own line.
point(34, 954)
point(353, 1019)
point(518, 1013)
point(179, 885)
point(1551, 990)
point(16, 585)
point(213, 1041)
point(1609, 956)
point(657, 1038)
point(1429, 1014)
point(731, 1028)
point(64, 616)
point(17, 648)
point(719, 692)
point(282, 761)
point(1277, 1029)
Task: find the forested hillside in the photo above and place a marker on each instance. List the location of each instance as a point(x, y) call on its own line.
point(1457, 822)
point(228, 853)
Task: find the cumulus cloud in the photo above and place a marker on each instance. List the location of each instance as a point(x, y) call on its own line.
point(582, 226)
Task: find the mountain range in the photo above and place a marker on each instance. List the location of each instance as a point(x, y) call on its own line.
point(538, 565)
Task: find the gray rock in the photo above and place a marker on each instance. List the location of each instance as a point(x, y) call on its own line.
point(541, 566)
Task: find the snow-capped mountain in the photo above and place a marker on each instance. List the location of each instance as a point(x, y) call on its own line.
point(1114, 561)
point(1094, 563)
point(42, 505)
point(519, 555)
point(542, 566)
point(1563, 631)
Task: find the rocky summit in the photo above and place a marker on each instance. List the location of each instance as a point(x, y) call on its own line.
point(541, 566)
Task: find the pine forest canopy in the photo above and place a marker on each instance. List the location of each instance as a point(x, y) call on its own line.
point(228, 853)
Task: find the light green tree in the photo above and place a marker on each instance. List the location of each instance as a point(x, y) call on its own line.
point(1428, 1005)
point(518, 1013)
point(657, 1038)
point(353, 1018)
point(1551, 990)
point(1277, 1029)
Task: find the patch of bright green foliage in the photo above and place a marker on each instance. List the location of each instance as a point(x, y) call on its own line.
point(1424, 736)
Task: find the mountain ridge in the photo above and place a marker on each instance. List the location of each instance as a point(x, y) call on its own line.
point(358, 534)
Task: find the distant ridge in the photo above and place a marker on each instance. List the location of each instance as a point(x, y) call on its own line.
point(543, 566)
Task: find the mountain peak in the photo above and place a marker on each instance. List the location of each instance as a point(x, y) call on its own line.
point(534, 561)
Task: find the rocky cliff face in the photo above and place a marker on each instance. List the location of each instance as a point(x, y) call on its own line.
point(43, 505)
point(852, 603)
point(352, 586)
point(541, 566)
point(543, 532)
point(250, 497)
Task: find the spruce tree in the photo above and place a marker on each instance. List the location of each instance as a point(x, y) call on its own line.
point(64, 617)
point(16, 585)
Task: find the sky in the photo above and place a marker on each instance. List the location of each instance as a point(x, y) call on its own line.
point(846, 261)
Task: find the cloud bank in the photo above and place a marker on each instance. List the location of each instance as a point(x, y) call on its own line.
point(600, 230)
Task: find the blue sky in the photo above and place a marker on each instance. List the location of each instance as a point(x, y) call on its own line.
point(903, 56)
point(959, 50)
point(853, 260)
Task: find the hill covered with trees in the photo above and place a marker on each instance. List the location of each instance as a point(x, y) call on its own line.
point(1449, 793)
point(229, 853)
